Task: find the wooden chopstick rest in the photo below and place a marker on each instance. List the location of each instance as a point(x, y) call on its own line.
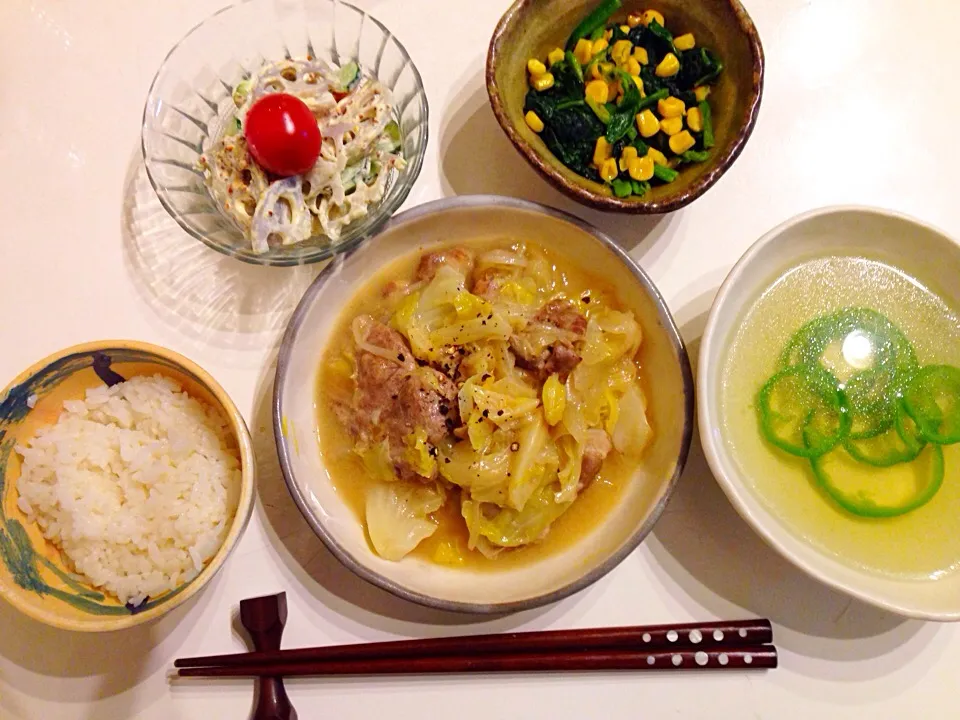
point(264, 618)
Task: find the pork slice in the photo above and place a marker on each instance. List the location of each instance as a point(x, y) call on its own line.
point(596, 448)
point(487, 283)
point(547, 345)
point(459, 258)
point(562, 314)
point(395, 397)
point(425, 400)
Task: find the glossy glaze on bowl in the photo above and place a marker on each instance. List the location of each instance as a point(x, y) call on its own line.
point(483, 591)
point(191, 98)
point(920, 251)
point(531, 28)
point(33, 575)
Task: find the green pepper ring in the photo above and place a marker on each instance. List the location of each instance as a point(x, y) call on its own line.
point(810, 341)
point(877, 415)
point(872, 510)
point(898, 361)
point(929, 421)
point(819, 382)
point(914, 446)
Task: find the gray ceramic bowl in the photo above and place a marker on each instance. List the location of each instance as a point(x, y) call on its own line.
point(552, 577)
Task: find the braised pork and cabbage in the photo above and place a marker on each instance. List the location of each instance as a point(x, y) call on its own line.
point(483, 388)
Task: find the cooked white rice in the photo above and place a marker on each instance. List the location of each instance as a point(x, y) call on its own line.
point(137, 484)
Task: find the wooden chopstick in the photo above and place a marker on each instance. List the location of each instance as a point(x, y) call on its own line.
point(637, 639)
point(737, 658)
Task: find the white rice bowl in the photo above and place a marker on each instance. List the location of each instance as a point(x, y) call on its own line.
point(137, 484)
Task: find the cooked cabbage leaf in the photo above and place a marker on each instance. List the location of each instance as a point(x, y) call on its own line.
point(571, 452)
point(535, 458)
point(484, 476)
point(611, 335)
point(417, 454)
point(506, 527)
point(632, 432)
point(397, 516)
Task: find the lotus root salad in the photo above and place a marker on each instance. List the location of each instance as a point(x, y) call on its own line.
point(473, 396)
point(625, 103)
point(309, 151)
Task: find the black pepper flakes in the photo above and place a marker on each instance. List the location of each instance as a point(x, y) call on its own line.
point(444, 408)
point(514, 446)
point(486, 413)
point(433, 452)
point(446, 460)
point(499, 413)
point(401, 357)
point(585, 298)
point(394, 397)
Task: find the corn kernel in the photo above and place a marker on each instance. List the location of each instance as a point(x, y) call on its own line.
point(633, 67)
point(542, 82)
point(629, 153)
point(641, 56)
point(658, 157)
point(613, 88)
point(671, 126)
point(555, 56)
point(669, 66)
point(533, 121)
point(681, 142)
point(647, 124)
point(639, 83)
point(536, 67)
point(695, 119)
point(554, 396)
point(671, 107)
point(633, 19)
point(701, 92)
point(612, 411)
point(685, 42)
point(583, 51)
point(625, 28)
point(600, 45)
point(621, 51)
point(650, 15)
point(641, 168)
point(597, 90)
point(601, 151)
point(609, 170)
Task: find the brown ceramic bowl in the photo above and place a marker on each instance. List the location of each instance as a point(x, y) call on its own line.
point(531, 28)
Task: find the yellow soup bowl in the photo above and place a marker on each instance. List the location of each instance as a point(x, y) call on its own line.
point(34, 577)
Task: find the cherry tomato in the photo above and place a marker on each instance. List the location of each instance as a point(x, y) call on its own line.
point(282, 134)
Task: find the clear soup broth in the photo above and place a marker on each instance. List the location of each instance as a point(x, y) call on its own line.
point(923, 543)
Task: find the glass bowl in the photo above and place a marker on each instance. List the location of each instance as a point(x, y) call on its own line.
point(190, 99)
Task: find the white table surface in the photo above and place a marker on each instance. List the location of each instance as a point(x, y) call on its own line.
point(869, 117)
